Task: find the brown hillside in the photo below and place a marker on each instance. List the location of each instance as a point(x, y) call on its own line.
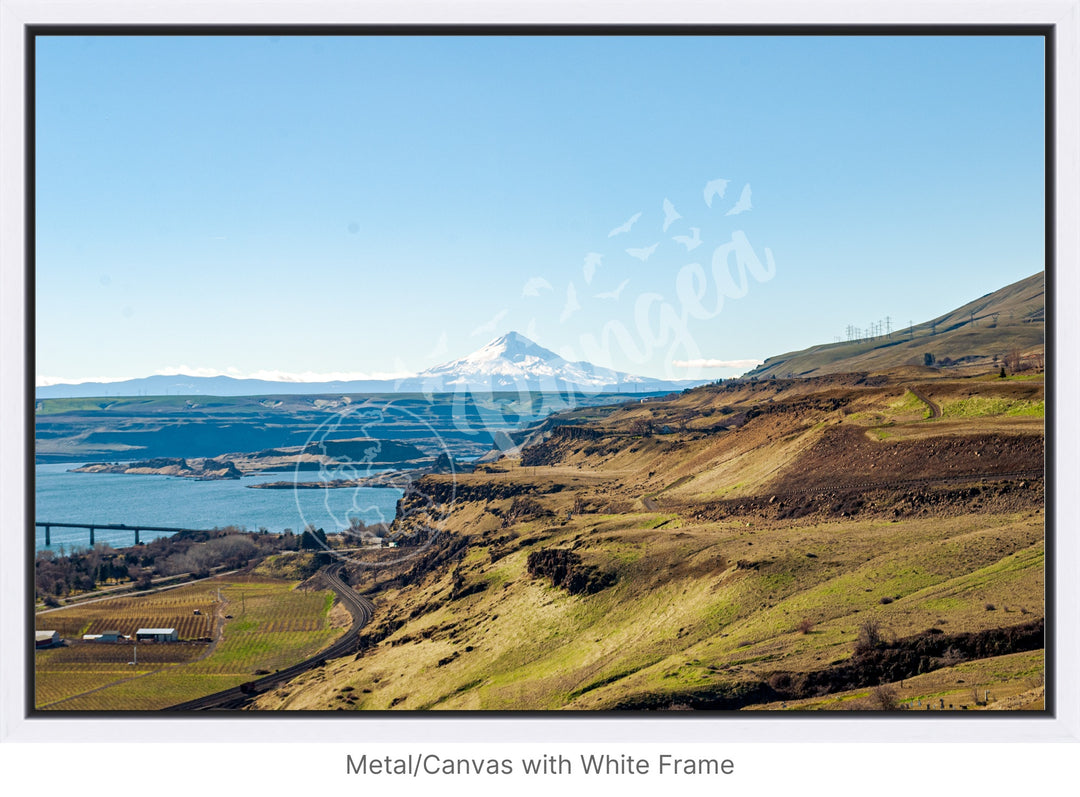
point(985, 331)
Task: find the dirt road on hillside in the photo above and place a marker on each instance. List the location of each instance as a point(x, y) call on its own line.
point(935, 410)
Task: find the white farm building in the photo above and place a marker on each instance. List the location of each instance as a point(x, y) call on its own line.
point(104, 636)
point(156, 635)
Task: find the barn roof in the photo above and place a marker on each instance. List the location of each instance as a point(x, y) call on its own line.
point(156, 631)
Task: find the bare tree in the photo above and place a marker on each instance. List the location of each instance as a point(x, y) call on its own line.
point(870, 637)
point(885, 698)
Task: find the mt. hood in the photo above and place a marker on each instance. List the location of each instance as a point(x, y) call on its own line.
point(513, 362)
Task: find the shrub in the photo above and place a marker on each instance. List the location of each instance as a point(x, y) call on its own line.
point(870, 637)
point(884, 698)
point(805, 625)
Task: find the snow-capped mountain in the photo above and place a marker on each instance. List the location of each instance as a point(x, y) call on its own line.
point(508, 363)
point(512, 361)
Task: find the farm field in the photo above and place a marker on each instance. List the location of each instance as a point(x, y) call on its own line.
point(173, 608)
point(266, 624)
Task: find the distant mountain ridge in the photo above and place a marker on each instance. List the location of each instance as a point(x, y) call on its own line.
point(511, 362)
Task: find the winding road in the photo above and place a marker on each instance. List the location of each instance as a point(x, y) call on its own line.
point(935, 410)
point(361, 609)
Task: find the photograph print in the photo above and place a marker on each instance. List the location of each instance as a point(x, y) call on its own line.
point(496, 371)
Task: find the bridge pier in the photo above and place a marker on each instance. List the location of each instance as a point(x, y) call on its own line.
point(91, 536)
point(48, 541)
point(136, 536)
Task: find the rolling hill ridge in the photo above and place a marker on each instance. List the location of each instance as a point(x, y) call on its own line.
point(985, 331)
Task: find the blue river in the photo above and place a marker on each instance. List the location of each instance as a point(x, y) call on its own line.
point(64, 497)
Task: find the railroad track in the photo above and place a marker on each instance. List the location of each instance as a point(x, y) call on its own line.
point(361, 609)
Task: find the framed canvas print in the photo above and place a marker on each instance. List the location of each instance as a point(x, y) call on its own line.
point(445, 372)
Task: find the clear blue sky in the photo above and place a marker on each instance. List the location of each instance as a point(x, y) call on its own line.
point(375, 205)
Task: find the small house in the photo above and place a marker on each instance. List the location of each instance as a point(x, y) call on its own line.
point(46, 639)
point(156, 635)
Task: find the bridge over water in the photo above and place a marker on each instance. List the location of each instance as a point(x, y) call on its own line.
point(93, 527)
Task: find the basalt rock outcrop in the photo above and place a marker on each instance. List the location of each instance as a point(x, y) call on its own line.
point(565, 570)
